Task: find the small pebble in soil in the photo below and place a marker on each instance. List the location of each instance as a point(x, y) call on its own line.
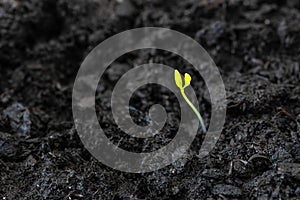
point(281, 155)
point(79, 186)
point(19, 118)
point(213, 173)
point(227, 190)
point(179, 164)
point(6, 148)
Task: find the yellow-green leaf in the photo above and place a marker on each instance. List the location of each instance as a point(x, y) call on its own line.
point(187, 79)
point(178, 79)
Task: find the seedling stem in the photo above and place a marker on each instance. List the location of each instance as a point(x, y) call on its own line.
point(187, 81)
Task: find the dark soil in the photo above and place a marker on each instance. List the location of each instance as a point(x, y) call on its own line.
point(255, 44)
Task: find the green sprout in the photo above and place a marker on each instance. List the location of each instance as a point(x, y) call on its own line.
point(187, 82)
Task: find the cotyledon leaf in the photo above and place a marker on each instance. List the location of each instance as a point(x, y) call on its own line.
point(178, 79)
point(187, 79)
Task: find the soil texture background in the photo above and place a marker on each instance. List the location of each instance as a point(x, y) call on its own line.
point(254, 43)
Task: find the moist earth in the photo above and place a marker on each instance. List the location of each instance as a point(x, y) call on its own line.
point(255, 45)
